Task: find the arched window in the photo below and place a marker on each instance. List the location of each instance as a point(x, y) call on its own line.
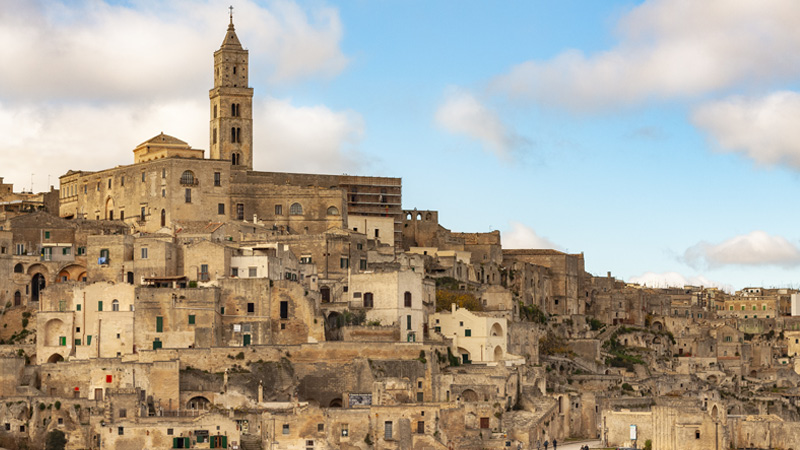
point(407, 299)
point(17, 298)
point(187, 177)
point(333, 211)
point(163, 218)
point(296, 209)
point(18, 268)
point(115, 305)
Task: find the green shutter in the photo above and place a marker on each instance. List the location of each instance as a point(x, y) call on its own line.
point(212, 441)
point(191, 319)
point(62, 341)
point(89, 340)
point(187, 443)
point(174, 442)
point(156, 344)
point(78, 306)
point(159, 324)
point(100, 305)
point(77, 342)
point(246, 340)
point(224, 441)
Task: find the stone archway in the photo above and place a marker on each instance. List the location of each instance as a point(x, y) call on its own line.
point(54, 358)
point(198, 403)
point(498, 353)
point(109, 208)
point(496, 331)
point(53, 331)
point(37, 284)
point(468, 395)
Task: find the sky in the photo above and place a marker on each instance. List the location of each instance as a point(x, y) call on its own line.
point(657, 137)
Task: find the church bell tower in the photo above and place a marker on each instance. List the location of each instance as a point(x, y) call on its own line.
point(231, 131)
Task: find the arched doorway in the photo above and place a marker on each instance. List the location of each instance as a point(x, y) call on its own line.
point(54, 358)
point(17, 298)
point(498, 353)
point(336, 403)
point(37, 284)
point(110, 209)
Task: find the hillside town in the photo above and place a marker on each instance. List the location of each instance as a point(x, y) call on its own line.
point(186, 300)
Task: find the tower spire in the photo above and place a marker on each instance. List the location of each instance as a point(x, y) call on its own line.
point(230, 8)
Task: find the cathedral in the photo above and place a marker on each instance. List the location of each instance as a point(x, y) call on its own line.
point(170, 183)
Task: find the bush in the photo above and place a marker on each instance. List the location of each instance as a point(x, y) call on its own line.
point(462, 299)
point(627, 387)
point(648, 445)
point(58, 404)
point(240, 355)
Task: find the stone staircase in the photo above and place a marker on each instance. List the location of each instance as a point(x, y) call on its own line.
point(250, 442)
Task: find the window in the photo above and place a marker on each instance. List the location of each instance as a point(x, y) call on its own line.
point(377, 233)
point(217, 179)
point(320, 427)
point(284, 310)
point(387, 430)
point(333, 211)
point(296, 209)
point(252, 272)
point(163, 173)
point(278, 210)
point(144, 252)
point(159, 324)
point(120, 431)
point(239, 211)
point(191, 319)
point(368, 300)
point(109, 183)
point(163, 193)
point(345, 430)
point(408, 322)
point(141, 217)
point(407, 299)
point(100, 305)
point(115, 305)
point(66, 251)
point(78, 307)
point(420, 426)
point(170, 431)
point(251, 307)
point(214, 134)
point(362, 264)
point(47, 235)
point(305, 259)
point(122, 181)
point(204, 275)
point(188, 195)
point(123, 413)
point(77, 342)
point(286, 428)
point(467, 332)
point(187, 178)
point(344, 263)
point(142, 178)
point(234, 271)
point(20, 250)
point(697, 434)
point(221, 208)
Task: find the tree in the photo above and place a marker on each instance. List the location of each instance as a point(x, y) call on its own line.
point(55, 440)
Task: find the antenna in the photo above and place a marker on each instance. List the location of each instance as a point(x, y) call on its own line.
point(32, 182)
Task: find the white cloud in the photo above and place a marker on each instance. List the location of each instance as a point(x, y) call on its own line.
point(675, 279)
point(521, 236)
point(92, 50)
point(307, 139)
point(753, 249)
point(668, 49)
point(765, 129)
point(84, 82)
point(462, 113)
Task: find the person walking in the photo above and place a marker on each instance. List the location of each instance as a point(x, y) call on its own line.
point(546, 443)
point(555, 444)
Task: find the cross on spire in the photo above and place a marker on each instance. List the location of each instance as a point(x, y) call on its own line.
point(231, 10)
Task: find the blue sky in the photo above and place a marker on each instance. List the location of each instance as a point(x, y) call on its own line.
point(657, 137)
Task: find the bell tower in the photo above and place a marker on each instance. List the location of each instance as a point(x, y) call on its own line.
point(231, 130)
